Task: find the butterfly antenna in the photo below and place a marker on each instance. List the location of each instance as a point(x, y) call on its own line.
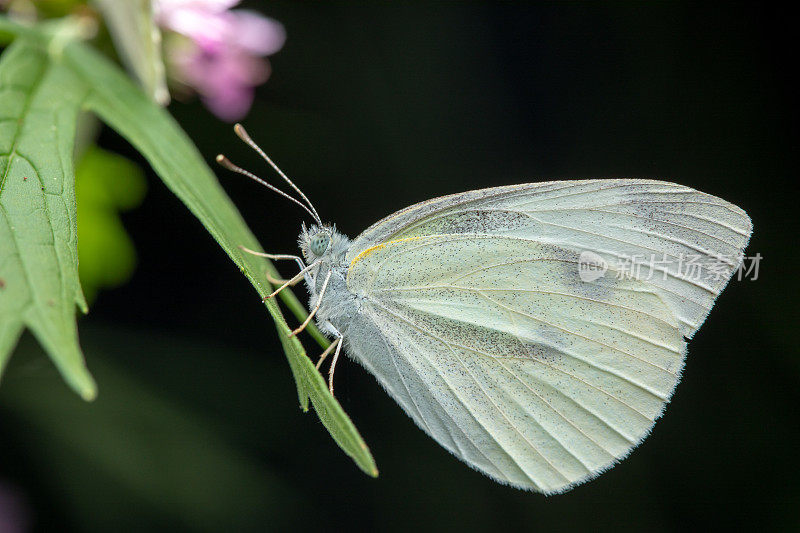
point(243, 135)
point(225, 162)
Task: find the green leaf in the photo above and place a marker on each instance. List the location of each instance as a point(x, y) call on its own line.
point(39, 103)
point(86, 79)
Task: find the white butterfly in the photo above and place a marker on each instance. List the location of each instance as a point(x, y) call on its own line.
point(472, 311)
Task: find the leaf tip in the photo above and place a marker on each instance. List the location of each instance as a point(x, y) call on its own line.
point(82, 382)
point(87, 388)
point(89, 395)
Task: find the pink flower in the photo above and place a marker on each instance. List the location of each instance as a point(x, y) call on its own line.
point(226, 61)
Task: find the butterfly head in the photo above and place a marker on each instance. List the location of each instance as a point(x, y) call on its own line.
point(320, 241)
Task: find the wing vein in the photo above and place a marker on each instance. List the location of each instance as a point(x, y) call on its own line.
point(601, 189)
point(575, 377)
point(629, 380)
point(724, 205)
point(559, 413)
point(633, 215)
point(482, 236)
point(665, 271)
point(455, 394)
point(510, 423)
point(480, 352)
point(515, 289)
point(455, 441)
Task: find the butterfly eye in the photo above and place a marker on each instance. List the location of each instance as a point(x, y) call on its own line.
point(319, 243)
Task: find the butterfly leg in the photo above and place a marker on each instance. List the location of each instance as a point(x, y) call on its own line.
point(327, 351)
point(275, 257)
point(281, 281)
point(337, 343)
point(333, 364)
point(316, 307)
point(300, 275)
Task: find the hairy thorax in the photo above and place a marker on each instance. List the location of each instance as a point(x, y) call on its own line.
point(338, 305)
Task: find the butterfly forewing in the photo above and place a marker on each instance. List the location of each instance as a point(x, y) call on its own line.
point(684, 242)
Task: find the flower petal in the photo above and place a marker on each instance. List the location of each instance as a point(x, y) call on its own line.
point(256, 33)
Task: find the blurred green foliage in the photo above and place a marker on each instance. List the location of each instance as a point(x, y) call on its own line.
point(135, 452)
point(47, 8)
point(105, 185)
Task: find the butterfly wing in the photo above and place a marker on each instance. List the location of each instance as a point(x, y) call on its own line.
point(479, 324)
point(695, 239)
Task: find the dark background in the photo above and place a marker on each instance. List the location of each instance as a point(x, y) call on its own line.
point(372, 107)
